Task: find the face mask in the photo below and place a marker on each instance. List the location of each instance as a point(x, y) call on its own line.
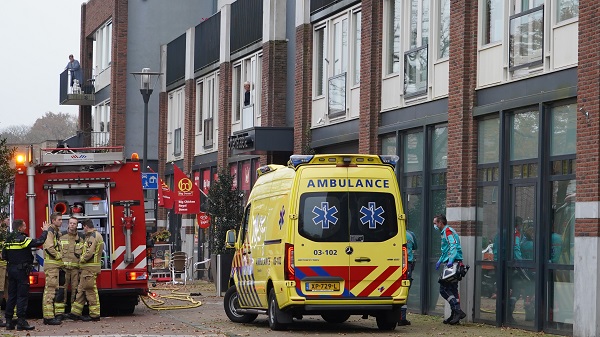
point(436, 228)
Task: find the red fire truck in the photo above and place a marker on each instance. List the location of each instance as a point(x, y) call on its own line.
point(89, 183)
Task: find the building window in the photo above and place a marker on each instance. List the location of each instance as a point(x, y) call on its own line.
point(199, 106)
point(357, 38)
point(337, 96)
point(320, 61)
point(524, 135)
point(419, 23)
point(247, 85)
point(416, 58)
point(566, 9)
point(493, 23)
point(209, 105)
point(177, 142)
point(175, 120)
point(103, 45)
point(393, 36)
point(101, 125)
point(237, 93)
point(337, 60)
point(444, 29)
point(526, 37)
point(487, 229)
point(415, 72)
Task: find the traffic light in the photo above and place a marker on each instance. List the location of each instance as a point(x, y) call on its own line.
point(20, 163)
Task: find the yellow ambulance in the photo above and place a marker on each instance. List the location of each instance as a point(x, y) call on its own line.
point(325, 235)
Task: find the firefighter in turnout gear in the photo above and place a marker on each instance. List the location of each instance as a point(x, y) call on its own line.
point(17, 253)
point(90, 266)
point(71, 242)
point(52, 303)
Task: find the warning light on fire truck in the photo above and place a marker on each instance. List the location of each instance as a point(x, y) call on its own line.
point(20, 163)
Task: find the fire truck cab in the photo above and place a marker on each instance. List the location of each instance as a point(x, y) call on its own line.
point(89, 183)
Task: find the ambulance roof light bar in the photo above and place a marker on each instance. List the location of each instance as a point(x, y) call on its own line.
point(299, 159)
point(389, 159)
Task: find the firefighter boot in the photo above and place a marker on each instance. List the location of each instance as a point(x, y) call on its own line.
point(450, 318)
point(23, 325)
point(10, 324)
point(52, 321)
point(458, 315)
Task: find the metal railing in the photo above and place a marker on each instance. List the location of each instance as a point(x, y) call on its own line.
point(75, 84)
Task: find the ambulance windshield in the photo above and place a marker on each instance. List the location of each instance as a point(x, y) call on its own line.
point(347, 216)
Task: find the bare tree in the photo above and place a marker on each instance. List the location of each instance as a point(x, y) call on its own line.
point(53, 126)
point(15, 134)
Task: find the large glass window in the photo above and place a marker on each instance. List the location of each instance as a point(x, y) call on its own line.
point(566, 9)
point(488, 141)
point(524, 134)
point(560, 236)
point(438, 163)
point(564, 130)
point(493, 21)
point(412, 187)
point(388, 145)
point(444, 29)
point(487, 228)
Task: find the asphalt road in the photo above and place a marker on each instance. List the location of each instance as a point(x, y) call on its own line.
point(209, 319)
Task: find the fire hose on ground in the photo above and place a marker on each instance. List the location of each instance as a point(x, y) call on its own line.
point(159, 302)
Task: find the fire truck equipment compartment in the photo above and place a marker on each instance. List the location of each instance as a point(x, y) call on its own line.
point(96, 207)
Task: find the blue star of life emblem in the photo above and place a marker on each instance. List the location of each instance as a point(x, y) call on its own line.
point(372, 215)
point(325, 215)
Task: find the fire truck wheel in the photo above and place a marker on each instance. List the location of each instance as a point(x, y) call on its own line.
point(231, 304)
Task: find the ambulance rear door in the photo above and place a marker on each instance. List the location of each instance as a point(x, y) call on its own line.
point(375, 240)
point(321, 264)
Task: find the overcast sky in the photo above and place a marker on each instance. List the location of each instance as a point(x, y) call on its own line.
point(36, 38)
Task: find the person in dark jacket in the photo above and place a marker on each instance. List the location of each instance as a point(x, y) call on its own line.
point(17, 253)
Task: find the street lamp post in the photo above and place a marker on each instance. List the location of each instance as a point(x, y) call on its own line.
point(148, 80)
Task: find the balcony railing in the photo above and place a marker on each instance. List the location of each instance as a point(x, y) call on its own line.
point(248, 116)
point(89, 139)
point(76, 88)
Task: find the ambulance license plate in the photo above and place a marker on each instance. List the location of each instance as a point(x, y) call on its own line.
point(322, 286)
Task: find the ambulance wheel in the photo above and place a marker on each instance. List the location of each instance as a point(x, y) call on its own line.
point(335, 317)
point(276, 316)
point(387, 320)
point(232, 304)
